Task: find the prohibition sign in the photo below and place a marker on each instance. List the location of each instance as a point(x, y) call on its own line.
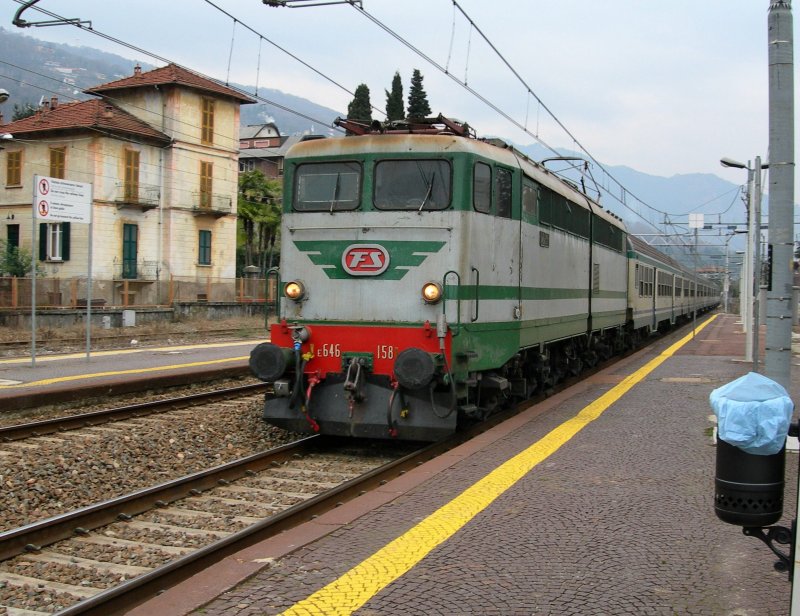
point(44, 208)
point(44, 187)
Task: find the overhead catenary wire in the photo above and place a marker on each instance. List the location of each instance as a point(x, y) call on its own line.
point(623, 190)
point(168, 61)
point(230, 54)
point(504, 114)
point(546, 108)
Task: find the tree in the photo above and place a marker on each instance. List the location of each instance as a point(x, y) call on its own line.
point(15, 262)
point(418, 106)
point(395, 109)
point(260, 217)
point(23, 111)
point(360, 108)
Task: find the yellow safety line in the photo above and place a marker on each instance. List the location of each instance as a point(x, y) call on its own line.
point(353, 589)
point(78, 377)
point(185, 347)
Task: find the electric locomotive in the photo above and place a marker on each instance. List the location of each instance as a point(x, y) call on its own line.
point(429, 277)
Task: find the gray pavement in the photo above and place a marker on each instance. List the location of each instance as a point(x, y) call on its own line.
point(19, 377)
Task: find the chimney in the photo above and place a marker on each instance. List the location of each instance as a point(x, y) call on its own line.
point(137, 70)
point(45, 105)
point(53, 102)
point(108, 111)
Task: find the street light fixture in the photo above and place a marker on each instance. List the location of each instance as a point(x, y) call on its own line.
point(729, 162)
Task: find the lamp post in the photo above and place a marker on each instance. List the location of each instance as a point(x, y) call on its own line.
point(726, 282)
point(752, 274)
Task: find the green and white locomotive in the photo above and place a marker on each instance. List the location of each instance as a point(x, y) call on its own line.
point(428, 277)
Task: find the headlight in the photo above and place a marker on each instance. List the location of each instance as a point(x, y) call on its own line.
point(294, 290)
point(431, 292)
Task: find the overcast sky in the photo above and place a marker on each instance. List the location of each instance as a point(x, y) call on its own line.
point(665, 87)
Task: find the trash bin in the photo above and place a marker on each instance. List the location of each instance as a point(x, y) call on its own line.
point(753, 415)
point(748, 488)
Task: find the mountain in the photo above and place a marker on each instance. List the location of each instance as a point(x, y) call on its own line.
point(31, 69)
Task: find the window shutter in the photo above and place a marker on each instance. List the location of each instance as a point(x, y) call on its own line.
point(42, 241)
point(65, 241)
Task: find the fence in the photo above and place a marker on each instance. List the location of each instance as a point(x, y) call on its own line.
point(72, 292)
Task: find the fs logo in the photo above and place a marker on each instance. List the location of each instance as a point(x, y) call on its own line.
point(365, 259)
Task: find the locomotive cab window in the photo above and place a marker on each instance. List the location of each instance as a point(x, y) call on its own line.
point(482, 188)
point(502, 193)
point(530, 195)
point(415, 185)
point(327, 187)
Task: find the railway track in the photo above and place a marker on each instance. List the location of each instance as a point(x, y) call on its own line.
point(96, 418)
point(192, 522)
point(106, 557)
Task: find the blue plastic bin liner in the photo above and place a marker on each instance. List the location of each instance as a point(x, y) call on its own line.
point(753, 414)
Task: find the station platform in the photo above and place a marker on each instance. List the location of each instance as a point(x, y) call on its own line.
point(25, 383)
point(597, 501)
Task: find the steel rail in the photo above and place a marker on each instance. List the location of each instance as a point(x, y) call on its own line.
point(36, 535)
point(122, 598)
point(96, 418)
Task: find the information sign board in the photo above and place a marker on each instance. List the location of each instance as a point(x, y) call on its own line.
point(57, 200)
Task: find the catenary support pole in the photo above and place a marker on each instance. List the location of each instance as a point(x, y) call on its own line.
point(755, 210)
point(781, 191)
point(777, 365)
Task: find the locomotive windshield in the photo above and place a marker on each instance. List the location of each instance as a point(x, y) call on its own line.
point(327, 187)
point(412, 185)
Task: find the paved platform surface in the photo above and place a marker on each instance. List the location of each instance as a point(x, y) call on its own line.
point(20, 378)
point(616, 519)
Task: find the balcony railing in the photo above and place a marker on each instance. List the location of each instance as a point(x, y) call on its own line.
point(212, 204)
point(144, 196)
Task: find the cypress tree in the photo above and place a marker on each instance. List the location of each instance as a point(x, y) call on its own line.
point(360, 107)
point(395, 110)
point(418, 106)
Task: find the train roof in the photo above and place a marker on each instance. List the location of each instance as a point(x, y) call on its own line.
point(445, 143)
point(641, 247)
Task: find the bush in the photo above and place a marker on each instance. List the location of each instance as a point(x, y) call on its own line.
point(15, 261)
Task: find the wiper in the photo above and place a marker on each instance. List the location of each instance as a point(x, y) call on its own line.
point(335, 192)
point(428, 194)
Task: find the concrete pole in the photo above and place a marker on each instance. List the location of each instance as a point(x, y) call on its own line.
point(726, 282)
point(778, 361)
point(747, 275)
point(781, 191)
point(755, 209)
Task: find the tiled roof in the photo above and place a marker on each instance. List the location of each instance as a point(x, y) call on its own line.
point(92, 114)
point(171, 74)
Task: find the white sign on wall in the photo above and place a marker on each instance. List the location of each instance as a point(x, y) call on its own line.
point(56, 200)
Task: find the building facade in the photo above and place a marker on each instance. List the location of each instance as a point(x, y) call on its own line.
point(160, 149)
